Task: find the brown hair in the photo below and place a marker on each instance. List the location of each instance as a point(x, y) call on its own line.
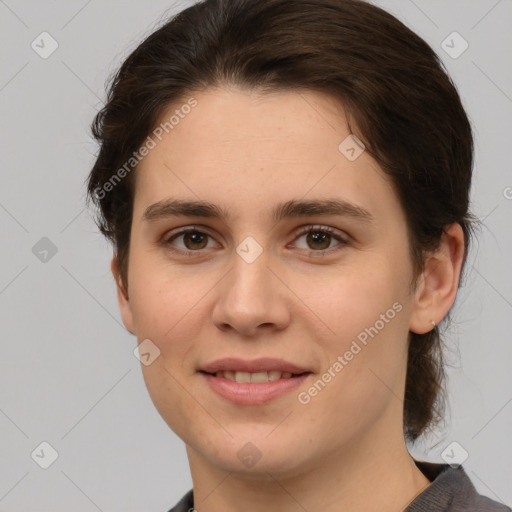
point(394, 88)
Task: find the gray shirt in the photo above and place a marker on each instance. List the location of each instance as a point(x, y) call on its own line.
point(451, 490)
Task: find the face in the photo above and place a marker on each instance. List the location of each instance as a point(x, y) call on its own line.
point(323, 286)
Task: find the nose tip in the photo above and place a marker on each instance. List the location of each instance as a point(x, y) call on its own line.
point(250, 299)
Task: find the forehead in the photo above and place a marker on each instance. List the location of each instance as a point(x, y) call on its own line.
point(247, 149)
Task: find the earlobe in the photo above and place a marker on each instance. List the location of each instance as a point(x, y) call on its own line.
point(122, 297)
point(438, 284)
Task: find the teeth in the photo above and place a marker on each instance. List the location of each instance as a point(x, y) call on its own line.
point(253, 377)
point(242, 377)
point(256, 377)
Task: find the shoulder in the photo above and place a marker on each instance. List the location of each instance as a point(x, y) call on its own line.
point(451, 490)
point(186, 504)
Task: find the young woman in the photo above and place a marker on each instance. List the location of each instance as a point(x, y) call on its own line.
point(286, 185)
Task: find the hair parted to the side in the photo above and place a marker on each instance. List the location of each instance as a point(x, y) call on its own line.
point(397, 96)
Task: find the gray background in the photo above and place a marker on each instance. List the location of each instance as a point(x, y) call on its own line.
point(68, 375)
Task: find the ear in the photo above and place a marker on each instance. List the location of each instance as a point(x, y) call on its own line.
point(122, 297)
point(439, 281)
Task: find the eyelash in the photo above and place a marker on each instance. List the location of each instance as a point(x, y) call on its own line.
point(166, 240)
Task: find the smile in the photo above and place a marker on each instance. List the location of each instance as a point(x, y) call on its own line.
point(243, 388)
point(256, 377)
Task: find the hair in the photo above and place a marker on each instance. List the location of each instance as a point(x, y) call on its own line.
point(398, 98)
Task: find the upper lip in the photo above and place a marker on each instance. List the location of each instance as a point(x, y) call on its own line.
point(256, 365)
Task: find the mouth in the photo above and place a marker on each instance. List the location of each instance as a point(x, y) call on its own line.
point(264, 367)
point(254, 377)
point(253, 382)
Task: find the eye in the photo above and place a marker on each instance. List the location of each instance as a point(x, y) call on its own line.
point(191, 240)
point(319, 239)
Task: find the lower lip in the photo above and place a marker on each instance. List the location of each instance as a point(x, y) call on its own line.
point(243, 393)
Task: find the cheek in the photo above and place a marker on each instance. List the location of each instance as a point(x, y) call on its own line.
point(169, 311)
point(350, 299)
point(364, 315)
point(161, 299)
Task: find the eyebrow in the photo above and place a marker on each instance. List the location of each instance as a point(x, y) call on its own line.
point(293, 208)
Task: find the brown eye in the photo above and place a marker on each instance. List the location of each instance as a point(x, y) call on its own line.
point(194, 240)
point(188, 241)
point(318, 240)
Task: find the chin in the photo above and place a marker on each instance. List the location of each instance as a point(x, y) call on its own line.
point(257, 458)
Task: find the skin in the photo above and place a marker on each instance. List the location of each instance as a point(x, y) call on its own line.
point(246, 152)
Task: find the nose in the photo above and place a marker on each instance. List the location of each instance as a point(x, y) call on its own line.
point(251, 299)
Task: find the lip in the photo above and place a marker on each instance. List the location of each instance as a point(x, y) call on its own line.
point(256, 365)
point(257, 393)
